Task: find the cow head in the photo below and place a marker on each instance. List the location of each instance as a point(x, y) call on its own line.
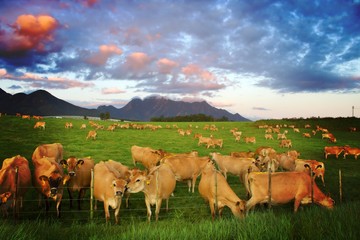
point(138, 182)
point(50, 185)
point(240, 209)
point(72, 164)
point(119, 187)
point(327, 202)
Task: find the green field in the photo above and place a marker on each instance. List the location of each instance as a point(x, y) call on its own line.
point(188, 216)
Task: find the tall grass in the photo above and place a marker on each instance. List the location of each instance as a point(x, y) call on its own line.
point(189, 216)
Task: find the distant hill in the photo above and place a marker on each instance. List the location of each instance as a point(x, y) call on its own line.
point(43, 103)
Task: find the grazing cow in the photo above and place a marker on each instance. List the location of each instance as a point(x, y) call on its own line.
point(109, 188)
point(351, 151)
point(83, 126)
point(286, 161)
point(54, 150)
point(285, 187)
point(281, 136)
point(285, 143)
point(250, 140)
point(264, 151)
point(159, 184)
point(40, 125)
point(215, 190)
point(268, 136)
point(91, 134)
point(333, 150)
point(317, 168)
point(187, 168)
point(147, 156)
point(8, 179)
point(49, 180)
point(68, 125)
point(204, 140)
point(266, 162)
point(25, 117)
point(248, 154)
point(234, 165)
point(79, 171)
point(306, 135)
point(215, 142)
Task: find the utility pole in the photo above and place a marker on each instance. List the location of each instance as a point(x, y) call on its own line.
point(353, 111)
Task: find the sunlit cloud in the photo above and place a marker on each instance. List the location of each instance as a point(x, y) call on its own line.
point(105, 52)
point(113, 90)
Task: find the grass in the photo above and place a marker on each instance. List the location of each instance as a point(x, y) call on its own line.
point(189, 215)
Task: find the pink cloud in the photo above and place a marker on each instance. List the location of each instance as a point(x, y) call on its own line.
point(197, 71)
point(113, 90)
point(137, 61)
point(166, 66)
point(105, 52)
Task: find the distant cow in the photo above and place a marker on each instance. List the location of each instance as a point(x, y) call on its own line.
point(187, 168)
point(109, 188)
point(91, 134)
point(8, 179)
point(54, 150)
point(40, 125)
point(159, 184)
point(250, 140)
point(285, 143)
point(49, 180)
point(79, 171)
point(333, 150)
point(147, 156)
point(285, 187)
point(204, 140)
point(214, 188)
point(351, 151)
point(248, 154)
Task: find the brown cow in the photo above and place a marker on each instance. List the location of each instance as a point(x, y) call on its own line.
point(215, 190)
point(285, 143)
point(8, 179)
point(147, 156)
point(159, 184)
point(317, 168)
point(333, 150)
point(250, 140)
point(79, 171)
point(285, 187)
point(215, 142)
point(234, 165)
point(187, 168)
point(109, 188)
point(40, 125)
point(91, 134)
point(351, 151)
point(49, 180)
point(204, 140)
point(248, 154)
point(286, 161)
point(54, 150)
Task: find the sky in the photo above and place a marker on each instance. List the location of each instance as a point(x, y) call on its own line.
point(261, 59)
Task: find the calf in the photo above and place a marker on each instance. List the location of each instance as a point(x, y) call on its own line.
point(109, 188)
point(215, 190)
point(79, 171)
point(159, 184)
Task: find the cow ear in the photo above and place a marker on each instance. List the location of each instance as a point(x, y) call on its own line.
point(307, 165)
point(80, 162)
point(63, 163)
point(318, 166)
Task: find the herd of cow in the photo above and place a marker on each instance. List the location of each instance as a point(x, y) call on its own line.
point(113, 180)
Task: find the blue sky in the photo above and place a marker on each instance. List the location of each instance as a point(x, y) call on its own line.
point(261, 59)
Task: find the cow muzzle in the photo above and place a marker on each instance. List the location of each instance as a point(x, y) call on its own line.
point(72, 174)
point(53, 192)
point(119, 193)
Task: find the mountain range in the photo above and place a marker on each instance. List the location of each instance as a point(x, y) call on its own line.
point(43, 103)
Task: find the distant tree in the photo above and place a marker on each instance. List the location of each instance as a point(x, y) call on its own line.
point(105, 116)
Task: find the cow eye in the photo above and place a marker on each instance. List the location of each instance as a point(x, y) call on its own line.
point(137, 180)
point(114, 184)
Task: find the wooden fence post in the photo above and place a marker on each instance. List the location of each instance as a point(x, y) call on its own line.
point(269, 190)
point(92, 195)
point(340, 185)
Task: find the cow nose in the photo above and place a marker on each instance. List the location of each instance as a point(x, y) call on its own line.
point(72, 174)
point(119, 193)
point(53, 191)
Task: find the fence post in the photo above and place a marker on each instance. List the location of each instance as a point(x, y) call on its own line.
point(15, 212)
point(92, 195)
point(269, 190)
point(312, 185)
point(340, 185)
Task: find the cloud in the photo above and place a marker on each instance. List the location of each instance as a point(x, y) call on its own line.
point(137, 62)
point(40, 82)
point(166, 66)
point(113, 90)
point(105, 52)
point(260, 109)
point(193, 70)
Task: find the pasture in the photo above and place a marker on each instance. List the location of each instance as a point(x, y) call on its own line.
point(188, 216)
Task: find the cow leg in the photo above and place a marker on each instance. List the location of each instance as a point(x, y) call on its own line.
point(296, 204)
point(157, 208)
point(167, 205)
point(127, 196)
point(81, 197)
point(58, 207)
point(70, 197)
point(212, 209)
point(148, 208)
point(193, 183)
point(117, 210)
point(189, 185)
point(106, 209)
point(220, 211)
point(95, 205)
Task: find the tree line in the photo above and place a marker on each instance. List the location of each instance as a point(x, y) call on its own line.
point(190, 118)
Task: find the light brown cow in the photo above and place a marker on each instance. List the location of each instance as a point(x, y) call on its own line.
point(215, 190)
point(54, 150)
point(91, 134)
point(317, 168)
point(109, 188)
point(248, 154)
point(306, 135)
point(286, 161)
point(79, 171)
point(159, 184)
point(250, 140)
point(204, 140)
point(147, 156)
point(49, 180)
point(285, 187)
point(215, 142)
point(83, 126)
point(264, 151)
point(68, 125)
point(351, 151)
point(40, 125)
point(333, 150)
point(187, 168)
point(285, 143)
point(8, 179)
point(236, 166)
